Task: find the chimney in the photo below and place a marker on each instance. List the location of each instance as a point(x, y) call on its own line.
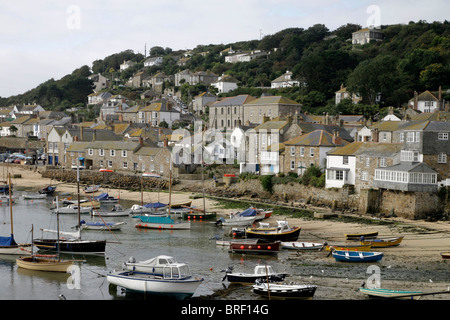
point(94, 135)
point(336, 139)
point(375, 135)
point(415, 100)
point(121, 117)
point(81, 133)
point(166, 142)
point(75, 138)
point(141, 141)
point(440, 94)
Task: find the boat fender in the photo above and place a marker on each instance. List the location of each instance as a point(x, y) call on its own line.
point(131, 260)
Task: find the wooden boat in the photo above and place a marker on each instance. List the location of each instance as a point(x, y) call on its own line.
point(73, 209)
point(284, 291)
point(261, 272)
point(255, 246)
point(43, 262)
point(102, 226)
point(445, 255)
point(302, 245)
point(176, 281)
point(356, 256)
point(391, 294)
point(382, 243)
point(281, 232)
point(116, 211)
point(349, 247)
point(161, 223)
point(357, 236)
point(47, 190)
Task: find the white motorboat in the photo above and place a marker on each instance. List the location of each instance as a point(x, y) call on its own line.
point(31, 196)
point(176, 281)
point(73, 208)
point(116, 211)
point(154, 265)
point(261, 272)
point(284, 291)
point(235, 220)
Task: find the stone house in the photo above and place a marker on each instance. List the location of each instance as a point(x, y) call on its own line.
point(98, 97)
point(309, 149)
point(151, 159)
point(203, 77)
point(126, 64)
point(100, 82)
point(200, 101)
point(270, 106)
point(183, 77)
point(228, 112)
point(342, 94)
point(158, 112)
point(367, 35)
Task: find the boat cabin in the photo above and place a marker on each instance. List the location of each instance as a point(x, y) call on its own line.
point(264, 270)
point(176, 271)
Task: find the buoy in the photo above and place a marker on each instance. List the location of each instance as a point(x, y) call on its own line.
point(269, 247)
point(242, 247)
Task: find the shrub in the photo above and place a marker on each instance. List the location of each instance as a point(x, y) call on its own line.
point(267, 183)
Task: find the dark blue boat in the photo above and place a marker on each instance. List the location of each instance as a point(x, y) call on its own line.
point(357, 256)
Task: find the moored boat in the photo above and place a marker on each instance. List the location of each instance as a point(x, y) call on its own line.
point(282, 231)
point(445, 255)
point(302, 245)
point(161, 223)
point(31, 196)
point(73, 209)
point(260, 272)
point(47, 190)
point(357, 236)
point(391, 294)
point(382, 243)
point(196, 214)
point(154, 265)
point(357, 256)
point(255, 246)
point(116, 211)
point(102, 226)
point(176, 281)
point(91, 189)
point(348, 247)
point(37, 263)
point(284, 291)
point(236, 221)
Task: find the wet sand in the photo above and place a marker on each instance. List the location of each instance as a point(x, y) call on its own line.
point(419, 252)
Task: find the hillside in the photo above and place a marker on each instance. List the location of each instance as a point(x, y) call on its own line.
point(412, 57)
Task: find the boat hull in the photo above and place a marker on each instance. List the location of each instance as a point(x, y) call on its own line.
point(252, 278)
point(296, 245)
point(72, 246)
point(39, 264)
point(272, 234)
point(391, 294)
point(445, 255)
point(357, 256)
point(197, 215)
point(15, 249)
point(357, 236)
point(164, 226)
point(348, 247)
point(383, 243)
point(257, 247)
point(285, 291)
point(151, 284)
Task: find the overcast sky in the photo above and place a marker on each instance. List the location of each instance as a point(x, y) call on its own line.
point(45, 39)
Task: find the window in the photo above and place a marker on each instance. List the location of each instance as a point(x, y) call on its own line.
point(382, 162)
point(311, 152)
point(367, 162)
point(90, 152)
point(364, 176)
point(409, 155)
point(292, 151)
point(344, 159)
point(302, 151)
point(402, 137)
point(125, 165)
point(112, 153)
point(339, 175)
point(110, 163)
point(443, 135)
point(292, 165)
point(442, 158)
point(101, 152)
point(101, 163)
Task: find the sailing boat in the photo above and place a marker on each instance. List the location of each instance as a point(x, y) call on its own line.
point(43, 262)
point(7, 244)
point(74, 244)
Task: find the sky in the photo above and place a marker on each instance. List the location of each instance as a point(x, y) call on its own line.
point(45, 39)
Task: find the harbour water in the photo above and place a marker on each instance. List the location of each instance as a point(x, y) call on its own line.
point(196, 247)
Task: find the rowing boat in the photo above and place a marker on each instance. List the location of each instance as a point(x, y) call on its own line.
point(350, 247)
point(357, 236)
point(357, 256)
point(391, 294)
point(382, 243)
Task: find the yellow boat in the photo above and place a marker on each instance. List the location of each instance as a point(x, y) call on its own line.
point(350, 247)
point(382, 243)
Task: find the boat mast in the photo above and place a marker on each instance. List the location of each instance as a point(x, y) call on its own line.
point(203, 169)
point(78, 189)
point(170, 186)
point(10, 203)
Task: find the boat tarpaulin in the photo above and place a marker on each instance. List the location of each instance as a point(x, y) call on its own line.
point(155, 205)
point(7, 241)
point(247, 213)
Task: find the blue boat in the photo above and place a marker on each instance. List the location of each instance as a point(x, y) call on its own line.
point(357, 256)
point(104, 197)
point(155, 205)
point(156, 222)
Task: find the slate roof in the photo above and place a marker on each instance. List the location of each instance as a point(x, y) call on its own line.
point(234, 101)
point(410, 167)
point(319, 138)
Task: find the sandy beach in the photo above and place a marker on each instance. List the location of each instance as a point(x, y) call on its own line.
point(421, 247)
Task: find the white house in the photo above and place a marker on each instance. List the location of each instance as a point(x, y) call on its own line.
point(153, 61)
point(127, 64)
point(225, 83)
point(367, 35)
point(285, 81)
point(341, 166)
point(426, 102)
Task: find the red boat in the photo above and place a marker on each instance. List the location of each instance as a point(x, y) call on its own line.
point(255, 246)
